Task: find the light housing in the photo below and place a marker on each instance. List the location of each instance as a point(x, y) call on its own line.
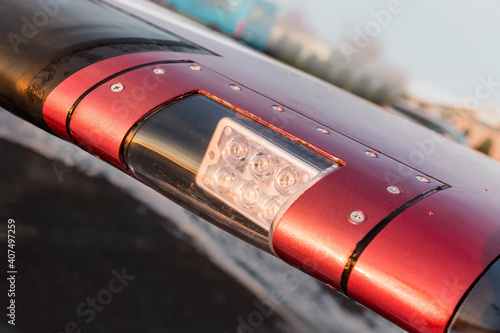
point(405, 260)
point(230, 169)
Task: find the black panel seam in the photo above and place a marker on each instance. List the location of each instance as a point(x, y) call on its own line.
point(369, 237)
point(109, 78)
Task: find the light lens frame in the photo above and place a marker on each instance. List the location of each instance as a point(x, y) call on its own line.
point(177, 150)
point(262, 174)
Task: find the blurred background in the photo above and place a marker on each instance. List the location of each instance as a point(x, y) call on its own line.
point(79, 220)
point(435, 63)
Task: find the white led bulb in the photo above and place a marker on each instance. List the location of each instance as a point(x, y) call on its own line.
point(287, 180)
point(261, 165)
point(224, 179)
point(250, 173)
point(236, 149)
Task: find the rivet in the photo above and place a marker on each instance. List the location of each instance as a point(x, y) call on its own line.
point(394, 190)
point(117, 87)
point(357, 216)
point(159, 71)
point(423, 179)
point(323, 130)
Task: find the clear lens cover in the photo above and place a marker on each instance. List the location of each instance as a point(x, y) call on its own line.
point(224, 180)
point(480, 311)
point(265, 173)
point(262, 165)
point(229, 169)
point(236, 149)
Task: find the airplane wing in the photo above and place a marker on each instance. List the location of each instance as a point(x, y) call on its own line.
point(392, 215)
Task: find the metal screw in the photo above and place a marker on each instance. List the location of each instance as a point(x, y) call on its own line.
point(323, 130)
point(158, 71)
point(235, 87)
point(278, 108)
point(394, 190)
point(116, 87)
point(423, 179)
point(195, 67)
point(371, 154)
point(357, 217)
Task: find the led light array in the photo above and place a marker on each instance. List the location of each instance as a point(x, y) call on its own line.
point(250, 173)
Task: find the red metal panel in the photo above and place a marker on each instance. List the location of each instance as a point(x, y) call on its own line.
point(358, 119)
point(103, 118)
point(316, 234)
point(418, 268)
point(62, 98)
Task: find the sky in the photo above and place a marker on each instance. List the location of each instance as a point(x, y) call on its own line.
point(446, 48)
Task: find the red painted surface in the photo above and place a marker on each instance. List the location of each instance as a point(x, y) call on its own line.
point(405, 273)
point(418, 268)
point(103, 118)
point(316, 233)
point(332, 107)
point(62, 98)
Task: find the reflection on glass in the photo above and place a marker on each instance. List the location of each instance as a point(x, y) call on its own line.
point(225, 167)
point(480, 313)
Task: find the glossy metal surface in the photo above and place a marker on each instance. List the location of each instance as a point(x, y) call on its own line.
point(102, 118)
point(316, 232)
point(190, 152)
point(420, 266)
point(337, 109)
point(166, 152)
point(447, 238)
point(62, 98)
point(79, 33)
